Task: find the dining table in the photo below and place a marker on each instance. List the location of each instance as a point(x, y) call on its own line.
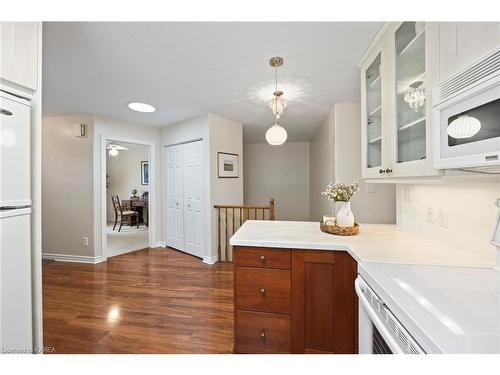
point(141, 206)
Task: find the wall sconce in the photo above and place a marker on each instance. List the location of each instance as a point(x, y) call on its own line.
point(80, 130)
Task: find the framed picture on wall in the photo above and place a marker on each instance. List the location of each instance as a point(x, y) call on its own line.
point(144, 172)
point(227, 165)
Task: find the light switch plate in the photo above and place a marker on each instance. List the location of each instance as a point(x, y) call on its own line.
point(442, 217)
point(409, 193)
point(85, 241)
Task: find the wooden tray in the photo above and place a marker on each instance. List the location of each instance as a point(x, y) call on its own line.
point(338, 231)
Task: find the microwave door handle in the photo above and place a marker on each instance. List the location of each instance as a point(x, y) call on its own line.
point(396, 349)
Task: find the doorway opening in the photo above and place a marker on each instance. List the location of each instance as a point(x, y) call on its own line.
point(127, 196)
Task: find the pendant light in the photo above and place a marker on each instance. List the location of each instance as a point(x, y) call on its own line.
point(276, 135)
point(464, 126)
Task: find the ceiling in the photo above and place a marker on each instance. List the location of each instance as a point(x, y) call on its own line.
point(187, 69)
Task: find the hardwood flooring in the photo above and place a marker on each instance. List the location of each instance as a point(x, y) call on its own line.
point(148, 301)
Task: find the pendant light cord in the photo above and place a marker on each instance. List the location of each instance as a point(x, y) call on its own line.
point(276, 93)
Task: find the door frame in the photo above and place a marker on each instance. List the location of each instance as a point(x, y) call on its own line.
point(151, 193)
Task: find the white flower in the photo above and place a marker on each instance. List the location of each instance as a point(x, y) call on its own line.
point(340, 192)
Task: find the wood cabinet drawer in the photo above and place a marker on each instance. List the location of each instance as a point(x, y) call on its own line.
point(262, 333)
point(262, 258)
point(267, 290)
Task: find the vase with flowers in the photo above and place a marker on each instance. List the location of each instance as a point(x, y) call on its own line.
point(341, 194)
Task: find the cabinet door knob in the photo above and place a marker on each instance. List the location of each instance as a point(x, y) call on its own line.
point(381, 171)
point(388, 170)
point(263, 334)
point(262, 258)
point(262, 292)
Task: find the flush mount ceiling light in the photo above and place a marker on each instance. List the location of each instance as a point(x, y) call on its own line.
point(113, 152)
point(464, 126)
point(276, 135)
point(415, 96)
point(141, 107)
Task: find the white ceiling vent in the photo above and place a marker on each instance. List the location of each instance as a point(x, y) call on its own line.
point(486, 68)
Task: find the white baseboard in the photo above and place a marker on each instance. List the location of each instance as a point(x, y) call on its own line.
point(159, 244)
point(72, 258)
point(210, 259)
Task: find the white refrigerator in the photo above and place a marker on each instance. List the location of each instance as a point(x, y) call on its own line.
point(15, 225)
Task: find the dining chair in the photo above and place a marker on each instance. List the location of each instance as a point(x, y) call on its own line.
point(122, 212)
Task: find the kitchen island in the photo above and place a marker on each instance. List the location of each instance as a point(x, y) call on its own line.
point(312, 275)
point(294, 301)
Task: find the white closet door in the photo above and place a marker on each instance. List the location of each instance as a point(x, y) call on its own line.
point(175, 194)
point(193, 198)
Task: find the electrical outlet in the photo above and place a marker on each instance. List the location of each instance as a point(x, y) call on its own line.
point(371, 188)
point(85, 241)
point(429, 215)
point(442, 217)
point(409, 193)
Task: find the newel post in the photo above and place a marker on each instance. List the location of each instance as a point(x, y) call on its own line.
point(271, 209)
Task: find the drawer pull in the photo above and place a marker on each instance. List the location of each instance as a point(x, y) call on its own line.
point(262, 258)
point(263, 334)
point(262, 292)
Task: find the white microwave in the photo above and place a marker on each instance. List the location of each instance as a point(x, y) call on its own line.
point(466, 115)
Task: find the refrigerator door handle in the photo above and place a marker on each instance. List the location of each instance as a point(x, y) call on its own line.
point(8, 208)
point(5, 112)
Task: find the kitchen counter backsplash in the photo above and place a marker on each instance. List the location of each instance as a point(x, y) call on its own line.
point(470, 210)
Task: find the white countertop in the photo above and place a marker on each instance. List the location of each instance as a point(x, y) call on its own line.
point(380, 243)
point(445, 309)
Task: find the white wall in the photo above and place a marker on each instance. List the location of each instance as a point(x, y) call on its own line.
point(125, 174)
point(322, 166)
point(336, 156)
point(104, 128)
point(471, 212)
point(225, 136)
point(281, 173)
point(67, 187)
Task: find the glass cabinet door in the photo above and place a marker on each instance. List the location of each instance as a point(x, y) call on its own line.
point(374, 113)
point(410, 92)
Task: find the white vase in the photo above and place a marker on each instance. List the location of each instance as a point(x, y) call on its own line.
point(344, 216)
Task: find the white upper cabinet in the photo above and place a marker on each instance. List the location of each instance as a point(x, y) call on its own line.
point(397, 129)
point(19, 53)
point(373, 114)
point(463, 43)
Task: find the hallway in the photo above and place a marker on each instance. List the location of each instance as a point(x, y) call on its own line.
point(148, 301)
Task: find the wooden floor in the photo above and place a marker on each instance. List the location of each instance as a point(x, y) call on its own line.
point(148, 301)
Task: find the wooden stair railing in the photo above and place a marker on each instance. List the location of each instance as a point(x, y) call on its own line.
point(231, 218)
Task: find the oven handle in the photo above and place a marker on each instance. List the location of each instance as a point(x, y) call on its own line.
point(391, 342)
